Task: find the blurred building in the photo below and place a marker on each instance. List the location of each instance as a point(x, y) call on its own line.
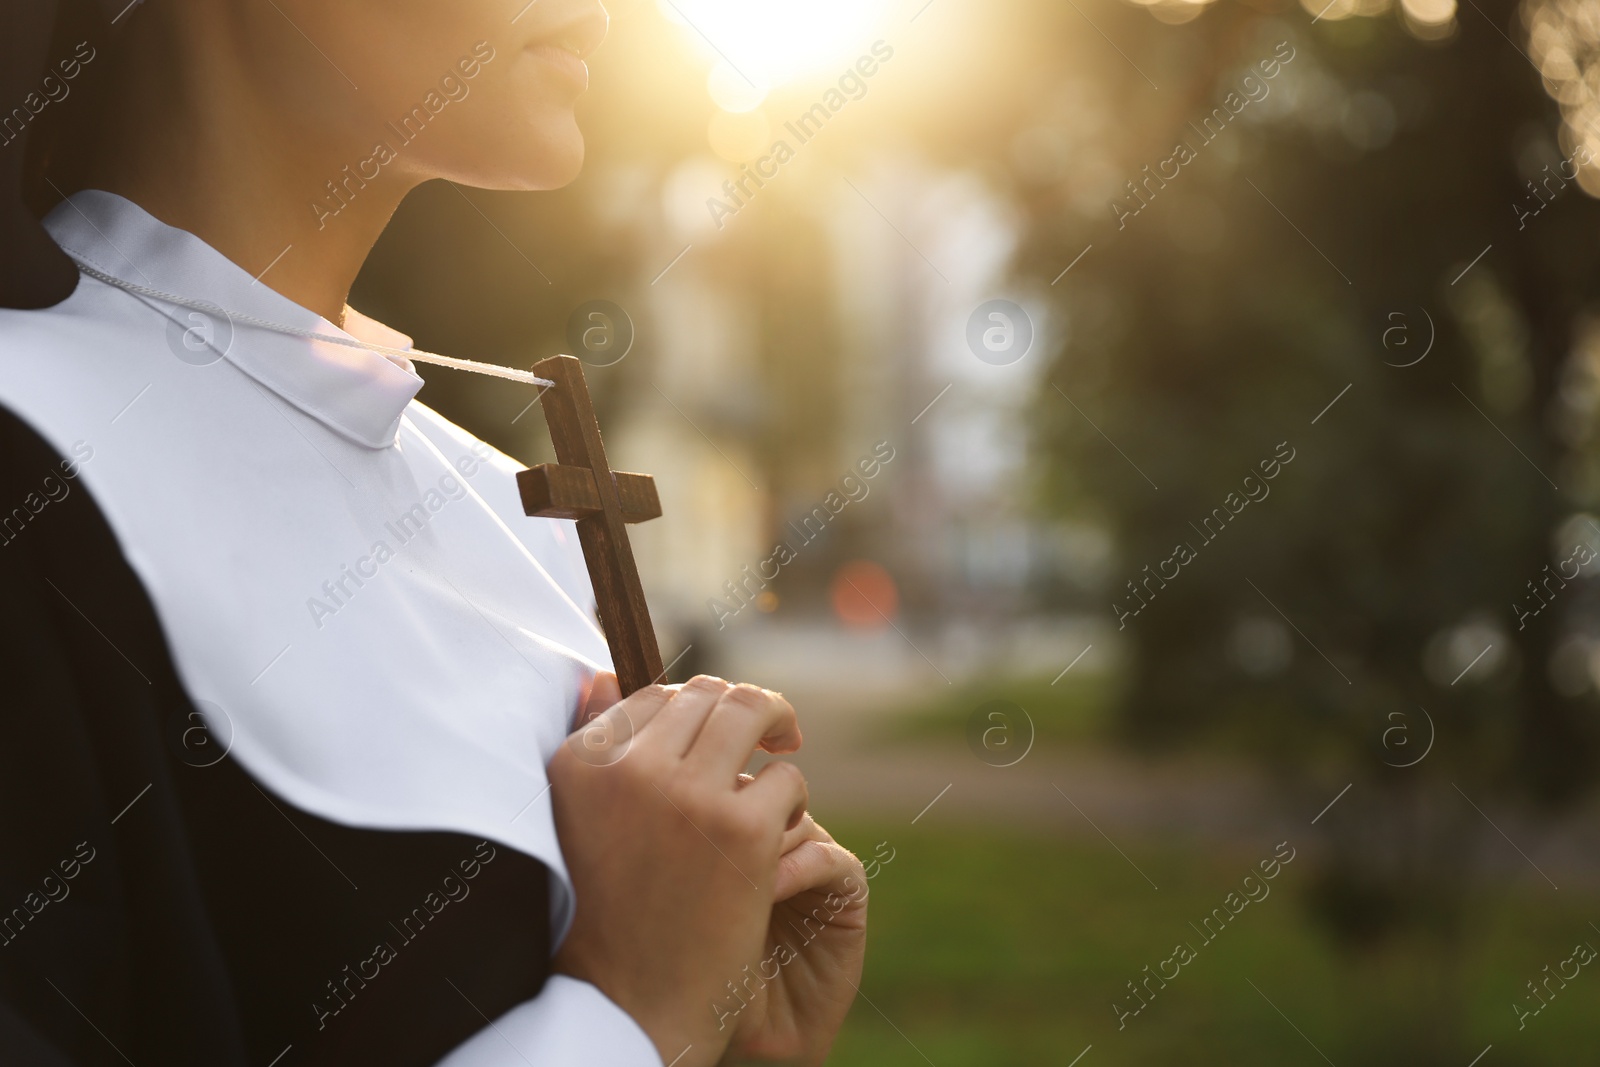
point(822, 326)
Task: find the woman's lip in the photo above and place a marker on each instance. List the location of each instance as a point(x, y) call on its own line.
point(564, 62)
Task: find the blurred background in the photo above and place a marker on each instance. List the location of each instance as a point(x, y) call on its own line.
point(1154, 446)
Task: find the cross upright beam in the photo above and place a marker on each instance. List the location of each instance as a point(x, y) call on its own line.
point(582, 486)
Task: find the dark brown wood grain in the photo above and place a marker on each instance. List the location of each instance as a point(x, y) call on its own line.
point(555, 491)
point(597, 502)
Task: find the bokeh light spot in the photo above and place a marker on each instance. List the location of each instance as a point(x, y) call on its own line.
point(864, 596)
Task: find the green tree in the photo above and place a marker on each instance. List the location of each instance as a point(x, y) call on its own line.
point(1217, 320)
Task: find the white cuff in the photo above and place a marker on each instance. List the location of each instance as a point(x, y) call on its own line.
point(569, 1024)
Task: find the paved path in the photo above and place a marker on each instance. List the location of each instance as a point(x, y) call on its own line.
point(853, 770)
point(1093, 792)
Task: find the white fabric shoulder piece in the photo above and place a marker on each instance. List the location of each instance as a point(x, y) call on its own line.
point(350, 592)
point(554, 544)
point(570, 1024)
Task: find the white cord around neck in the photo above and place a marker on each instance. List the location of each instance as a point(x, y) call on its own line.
point(492, 369)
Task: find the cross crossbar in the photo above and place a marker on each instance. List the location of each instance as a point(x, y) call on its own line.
point(569, 493)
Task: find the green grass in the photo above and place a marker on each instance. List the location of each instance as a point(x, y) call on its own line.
point(989, 949)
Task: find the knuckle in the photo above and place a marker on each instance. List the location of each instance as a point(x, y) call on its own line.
point(791, 769)
point(795, 777)
point(705, 682)
point(747, 697)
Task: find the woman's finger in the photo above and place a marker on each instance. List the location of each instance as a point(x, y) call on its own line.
point(604, 692)
point(605, 733)
point(677, 723)
point(744, 716)
point(780, 791)
point(815, 865)
point(806, 830)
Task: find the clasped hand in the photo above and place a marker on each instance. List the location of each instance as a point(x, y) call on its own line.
point(714, 911)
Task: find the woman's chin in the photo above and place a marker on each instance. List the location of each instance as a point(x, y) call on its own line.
point(544, 162)
point(551, 159)
point(561, 166)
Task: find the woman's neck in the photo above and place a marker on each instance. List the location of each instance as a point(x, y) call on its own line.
point(193, 148)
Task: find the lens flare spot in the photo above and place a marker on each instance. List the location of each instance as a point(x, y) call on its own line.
point(864, 596)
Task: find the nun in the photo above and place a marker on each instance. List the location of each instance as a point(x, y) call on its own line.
point(288, 774)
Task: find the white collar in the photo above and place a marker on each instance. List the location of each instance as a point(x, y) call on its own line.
point(355, 392)
point(353, 596)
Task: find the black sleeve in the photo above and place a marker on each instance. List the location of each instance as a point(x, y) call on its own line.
point(157, 905)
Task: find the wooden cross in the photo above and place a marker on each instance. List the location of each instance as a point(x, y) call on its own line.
point(581, 485)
